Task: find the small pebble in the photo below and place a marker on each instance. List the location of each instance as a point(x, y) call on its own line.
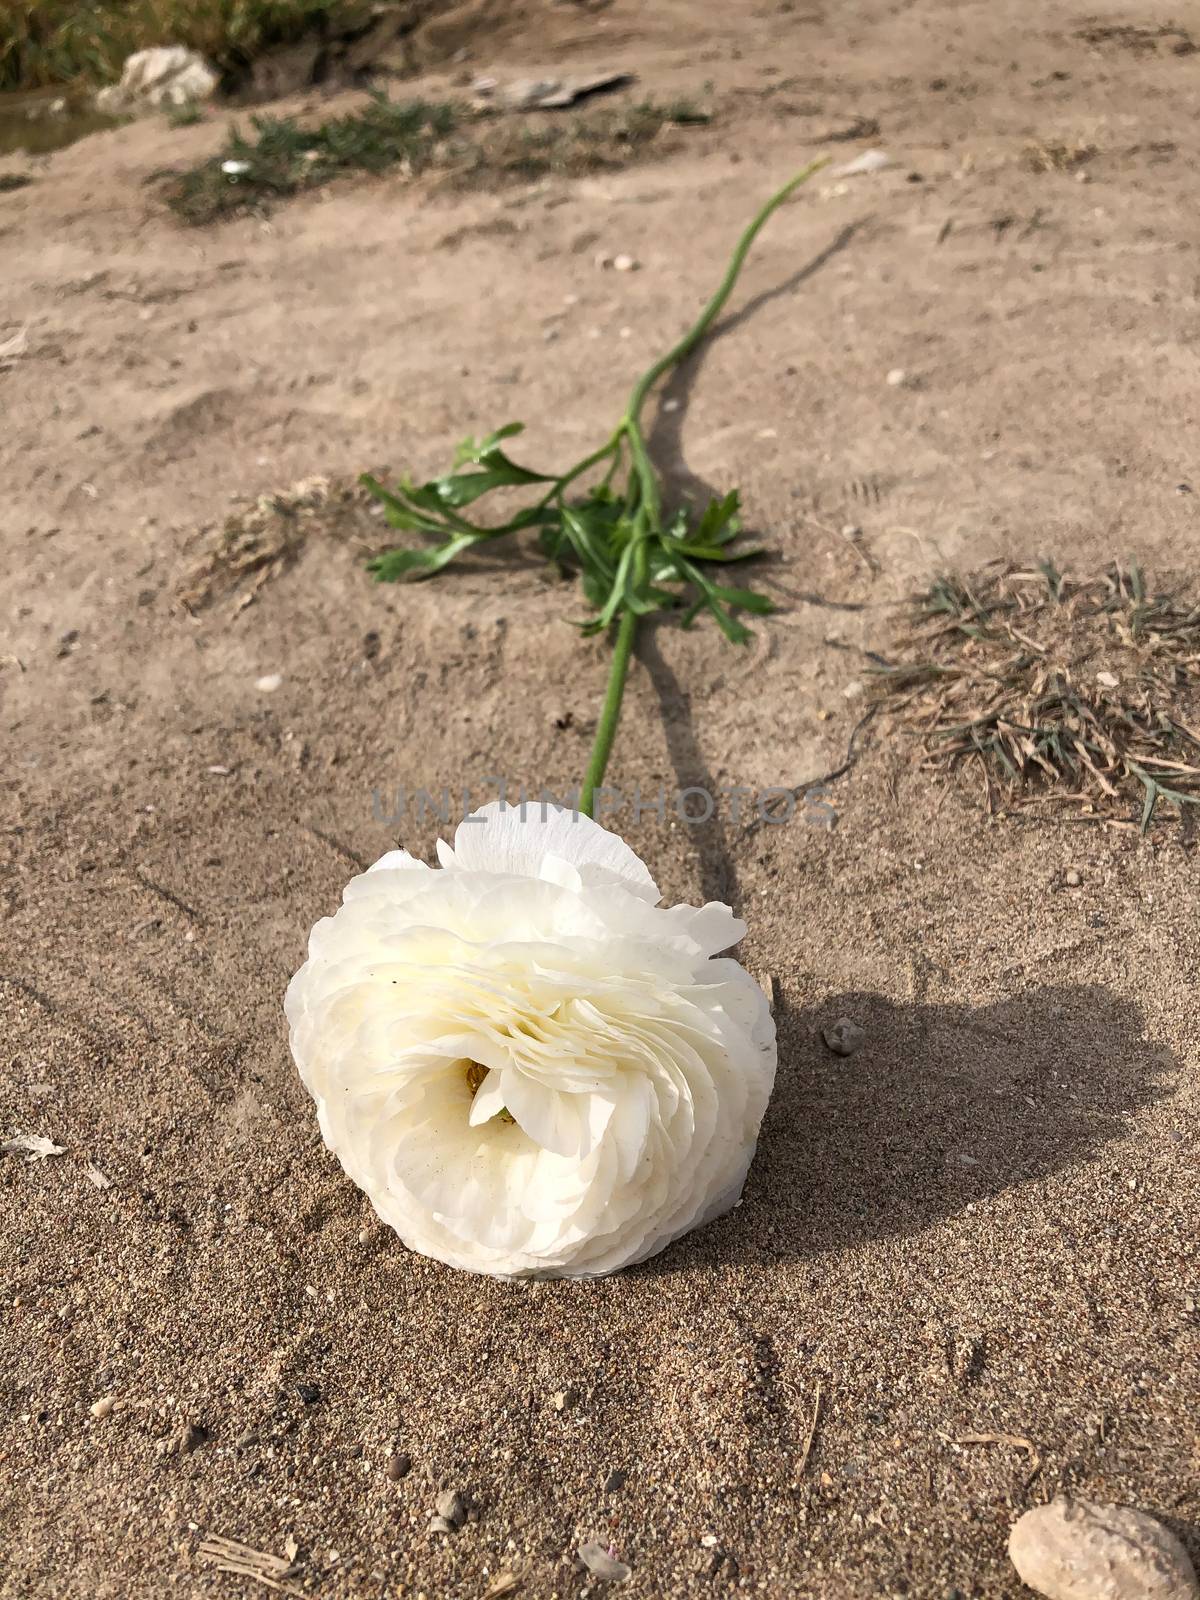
point(452, 1508)
point(310, 1393)
point(1072, 878)
point(845, 1037)
point(896, 377)
point(398, 1466)
point(625, 264)
point(563, 1400)
point(103, 1407)
point(617, 1479)
point(269, 683)
point(441, 1525)
point(601, 1565)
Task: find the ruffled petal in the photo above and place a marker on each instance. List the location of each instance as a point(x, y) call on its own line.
point(517, 839)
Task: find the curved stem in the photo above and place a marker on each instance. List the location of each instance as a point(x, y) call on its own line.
point(714, 307)
point(644, 488)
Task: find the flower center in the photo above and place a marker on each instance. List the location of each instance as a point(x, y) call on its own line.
point(475, 1075)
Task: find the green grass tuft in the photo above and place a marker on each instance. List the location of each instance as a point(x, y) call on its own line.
point(283, 158)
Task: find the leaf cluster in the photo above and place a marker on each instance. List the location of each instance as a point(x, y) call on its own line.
point(627, 557)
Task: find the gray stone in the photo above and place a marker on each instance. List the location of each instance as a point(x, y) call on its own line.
point(601, 1565)
point(452, 1508)
point(1078, 1550)
point(845, 1037)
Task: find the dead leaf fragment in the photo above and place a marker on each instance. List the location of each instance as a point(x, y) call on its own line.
point(503, 1583)
point(231, 1555)
point(35, 1145)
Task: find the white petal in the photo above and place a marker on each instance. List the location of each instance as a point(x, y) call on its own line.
point(488, 1101)
point(517, 839)
point(396, 860)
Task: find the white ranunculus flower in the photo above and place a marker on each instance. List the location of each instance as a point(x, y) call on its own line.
point(529, 1065)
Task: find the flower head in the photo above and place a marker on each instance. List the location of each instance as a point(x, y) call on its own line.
point(529, 1065)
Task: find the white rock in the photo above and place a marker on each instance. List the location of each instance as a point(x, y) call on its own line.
point(897, 377)
point(601, 1565)
point(168, 75)
point(1078, 1550)
point(269, 683)
point(624, 264)
point(235, 169)
point(869, 161)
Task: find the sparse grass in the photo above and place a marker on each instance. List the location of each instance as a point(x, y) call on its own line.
point(280, 157)
point(1076, 693)
point(44, 42)
point(514, 148)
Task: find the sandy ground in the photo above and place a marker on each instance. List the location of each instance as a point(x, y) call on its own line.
point(984, 1223)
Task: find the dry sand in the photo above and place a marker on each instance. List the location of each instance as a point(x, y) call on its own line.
point(984, 1223)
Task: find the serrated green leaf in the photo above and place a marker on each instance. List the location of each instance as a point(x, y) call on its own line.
point(462, 488)
point(472, 449)
point(720, 522)
point(394, 565)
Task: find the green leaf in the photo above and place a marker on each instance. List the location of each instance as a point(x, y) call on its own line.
point(748, 599)
point(394, 565)
point(475, 449)
point(720, 522)
point(460, 489)
point(588, 539)
point(713, 552)
point(617, 593)
point(398, 512)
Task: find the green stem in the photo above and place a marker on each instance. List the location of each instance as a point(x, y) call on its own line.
point(647, 514)
point(715, 306)
point(610, 713)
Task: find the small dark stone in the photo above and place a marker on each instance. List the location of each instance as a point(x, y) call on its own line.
point(616, 1480)
point(310, 1393)
point(398, 1466)
point(845, 1037)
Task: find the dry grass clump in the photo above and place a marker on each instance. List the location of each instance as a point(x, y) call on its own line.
point(255, 544)
point(523, 150)
point(1074, 693)
point(1041, 157)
